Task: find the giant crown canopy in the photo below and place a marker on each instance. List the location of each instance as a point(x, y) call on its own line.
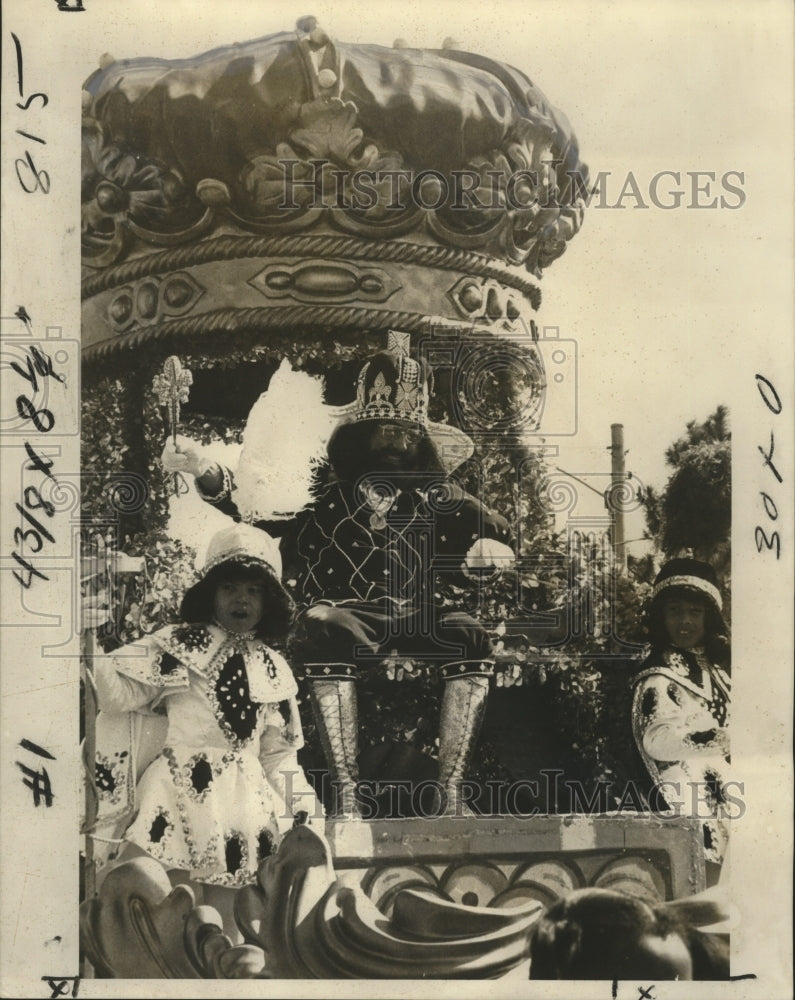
point(293, 182)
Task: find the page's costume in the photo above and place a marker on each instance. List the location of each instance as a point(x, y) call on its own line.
point(680, 712)
point(216, 781)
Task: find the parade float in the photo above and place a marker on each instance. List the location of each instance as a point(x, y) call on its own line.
point(295, 198)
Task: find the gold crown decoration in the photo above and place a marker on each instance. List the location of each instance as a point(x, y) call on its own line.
point(294, 182)
point(392, 386)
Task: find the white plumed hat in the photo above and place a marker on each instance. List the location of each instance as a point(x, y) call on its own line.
point(284, 440)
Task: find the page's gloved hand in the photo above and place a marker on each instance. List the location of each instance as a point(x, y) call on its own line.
point(487, 556)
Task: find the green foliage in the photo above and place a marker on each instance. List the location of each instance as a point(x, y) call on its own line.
point(697, 503)
point(103, 443)
point(693, 511)
point(155, 595)
point(714, 429)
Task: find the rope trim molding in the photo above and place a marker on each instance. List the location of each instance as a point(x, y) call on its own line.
point(235, 247)
point(263, 318)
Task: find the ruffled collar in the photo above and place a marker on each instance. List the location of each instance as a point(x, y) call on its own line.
point(205, 648)
point(694, 670)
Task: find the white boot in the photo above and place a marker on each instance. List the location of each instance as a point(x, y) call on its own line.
point(463, 709)
point(335, 710)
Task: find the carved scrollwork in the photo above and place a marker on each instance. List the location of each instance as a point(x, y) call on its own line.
point(388, 914)
point(313, 927)
point(138, 927)
point(475, 883)
point(122, 187)
point(212, 952)
point(133, 928)
point(298, 922)
point(635, 876)
point(426, 936)
point(486, 300)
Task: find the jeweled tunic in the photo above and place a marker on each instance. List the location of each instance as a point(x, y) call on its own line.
point(222, 790)
point(679, 720)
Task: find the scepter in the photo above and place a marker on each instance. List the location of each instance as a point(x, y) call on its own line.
point(172, 387)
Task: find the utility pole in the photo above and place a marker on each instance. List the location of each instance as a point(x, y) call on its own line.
point(617, 478)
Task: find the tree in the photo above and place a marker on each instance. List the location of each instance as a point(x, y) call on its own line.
point(693, 511)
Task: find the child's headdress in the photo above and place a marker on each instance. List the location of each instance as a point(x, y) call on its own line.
point(246, 545)
point(689, 575)
point(695, 579)
point(249, 551)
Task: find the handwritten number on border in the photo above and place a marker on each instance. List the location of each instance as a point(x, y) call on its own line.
point(32, 531)
point(766, 539)
point(60, 985)
point(30, 177)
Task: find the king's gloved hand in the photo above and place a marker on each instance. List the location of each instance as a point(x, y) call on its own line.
point(487, 556)
point(185, 456)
